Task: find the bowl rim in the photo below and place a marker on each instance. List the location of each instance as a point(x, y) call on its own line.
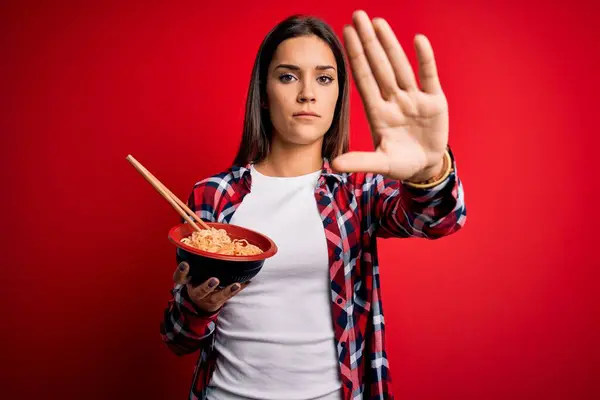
point(270, 252)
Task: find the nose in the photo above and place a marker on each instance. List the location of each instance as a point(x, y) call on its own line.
point(306, 94)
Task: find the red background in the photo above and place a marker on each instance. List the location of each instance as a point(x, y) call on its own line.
point(505, 309)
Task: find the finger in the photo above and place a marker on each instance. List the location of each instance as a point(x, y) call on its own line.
point(428, 75)
point(376, 56)
point(403, 71)
point(228, 292)
point(180, 274)
point(362, 161)
point(365, 81)
point(203, 290)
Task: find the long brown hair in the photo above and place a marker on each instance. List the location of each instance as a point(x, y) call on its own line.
point(257, 134)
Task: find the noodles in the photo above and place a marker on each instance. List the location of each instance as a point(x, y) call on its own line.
point(217, 241)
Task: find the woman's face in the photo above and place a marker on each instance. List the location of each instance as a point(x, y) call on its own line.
point(302, 80)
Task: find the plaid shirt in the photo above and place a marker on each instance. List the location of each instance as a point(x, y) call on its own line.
point(355, 209)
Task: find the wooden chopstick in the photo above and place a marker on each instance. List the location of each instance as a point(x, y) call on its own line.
point(180, 203)
point(175, 202)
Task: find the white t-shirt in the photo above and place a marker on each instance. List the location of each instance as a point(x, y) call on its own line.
point(276, 338)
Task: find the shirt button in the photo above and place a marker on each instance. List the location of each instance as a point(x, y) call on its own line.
point(339, 300)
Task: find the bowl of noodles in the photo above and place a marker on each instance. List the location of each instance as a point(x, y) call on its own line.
point(227, 252)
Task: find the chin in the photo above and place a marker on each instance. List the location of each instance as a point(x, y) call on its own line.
point(304, 135)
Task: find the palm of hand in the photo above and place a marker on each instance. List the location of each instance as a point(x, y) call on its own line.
point(409, 125)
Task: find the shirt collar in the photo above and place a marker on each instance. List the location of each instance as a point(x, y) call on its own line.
point(243, 172)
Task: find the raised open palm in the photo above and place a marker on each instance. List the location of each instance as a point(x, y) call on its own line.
point(408, 121)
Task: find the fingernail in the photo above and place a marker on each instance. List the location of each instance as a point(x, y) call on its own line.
point(212, 283)
point(235, 287)
point(182, 266)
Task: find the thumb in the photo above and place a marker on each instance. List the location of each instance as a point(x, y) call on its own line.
point(362, 161)
point(180, 274)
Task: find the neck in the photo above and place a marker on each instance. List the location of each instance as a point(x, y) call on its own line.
point(288, 160)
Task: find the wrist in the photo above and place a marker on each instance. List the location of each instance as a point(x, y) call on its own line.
point(432, 176)
point(430, 173)
point(195, 308)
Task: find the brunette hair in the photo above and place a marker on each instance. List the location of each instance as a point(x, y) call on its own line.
point(257, 134)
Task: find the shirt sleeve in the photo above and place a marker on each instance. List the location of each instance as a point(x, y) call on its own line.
point(400, 210)
point(185, 327)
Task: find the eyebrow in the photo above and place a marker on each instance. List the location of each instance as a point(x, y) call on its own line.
point(297, 68)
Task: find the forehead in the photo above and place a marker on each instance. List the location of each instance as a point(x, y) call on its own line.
point(305, 52)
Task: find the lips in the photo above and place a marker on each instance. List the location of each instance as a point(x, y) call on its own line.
point(306, 114)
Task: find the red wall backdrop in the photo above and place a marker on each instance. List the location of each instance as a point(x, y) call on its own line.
point(506, 309)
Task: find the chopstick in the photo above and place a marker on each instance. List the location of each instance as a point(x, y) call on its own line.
point(177, 204)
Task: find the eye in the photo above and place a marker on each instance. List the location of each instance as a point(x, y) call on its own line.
point(286, 78)
point(325, 79)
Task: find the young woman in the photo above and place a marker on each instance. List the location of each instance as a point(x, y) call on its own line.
point(310, 325)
